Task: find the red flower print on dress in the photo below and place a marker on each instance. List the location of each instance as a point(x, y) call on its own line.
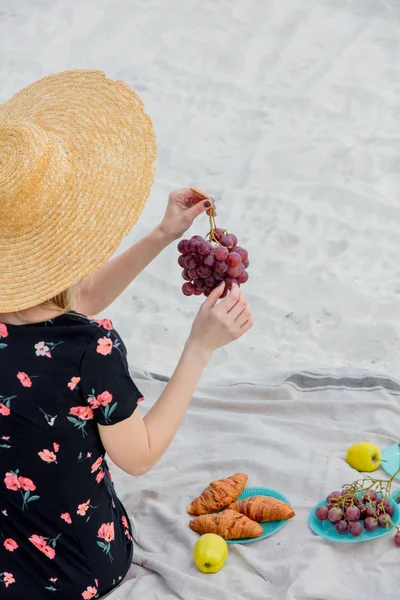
point(83, 508)
point(100, 476)
point(7, 578)
point(24, 379)
point(5, 405)
point(84, 414)
point(105, 323)
point(5, 439)
point(90, 592)
point(14, 482)
point(104, 346)
point(124, 522)
point(66, 517)
point(106, 533)
point(48, 456)
point(4, 512)
point(103, 401)
point(45, 348)
point(3, 330)
point(97, 464)
point(52, 588)
point(49, 419)
point(73, 383)
point(10, 544)
point(140, 400)
point(45, 545)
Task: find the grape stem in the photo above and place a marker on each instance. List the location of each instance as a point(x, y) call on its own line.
point(213, 226)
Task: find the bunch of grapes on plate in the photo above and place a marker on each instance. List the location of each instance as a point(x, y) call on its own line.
point(362, 505)
point(207, 261)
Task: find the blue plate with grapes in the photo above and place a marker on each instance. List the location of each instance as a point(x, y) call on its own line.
point(327, 530)
point(391, 460)
point(272, 526)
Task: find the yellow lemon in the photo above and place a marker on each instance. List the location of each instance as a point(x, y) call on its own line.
point(364, 456)
point(210, 553)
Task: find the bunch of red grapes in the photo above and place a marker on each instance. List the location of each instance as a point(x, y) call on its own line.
point(206, 263)
point(351, 512)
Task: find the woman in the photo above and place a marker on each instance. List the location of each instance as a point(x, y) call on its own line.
point(77, 155)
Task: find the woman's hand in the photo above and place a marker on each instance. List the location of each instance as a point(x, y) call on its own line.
point(183, 207)
point(219, 324)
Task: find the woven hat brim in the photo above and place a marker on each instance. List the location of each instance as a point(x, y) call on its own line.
point(110, 146)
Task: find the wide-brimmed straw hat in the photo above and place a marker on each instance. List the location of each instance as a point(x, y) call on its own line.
point(77, 162)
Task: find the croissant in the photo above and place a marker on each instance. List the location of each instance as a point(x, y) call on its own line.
point(263, 508)
point(228, 524)
point(219, 494)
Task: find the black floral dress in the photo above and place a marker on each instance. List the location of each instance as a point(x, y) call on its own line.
point(63, 531)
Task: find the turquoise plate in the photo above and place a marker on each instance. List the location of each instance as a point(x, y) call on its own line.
point(272, 526)
point(391, 460)
point(326, 529)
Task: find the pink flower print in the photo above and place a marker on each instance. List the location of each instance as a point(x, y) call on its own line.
point(74, 382)
point(106, 532)
point(5, 437)
point(10, 544)
point(42, 349)
point(94, 403)
point(104, 398)
point(97, 464)
point(89, 455)
point(47, 456)
point(12, 482)
point(56, 447)
point(24, 379)
point(27, 484)
point(8, 578)
point(105, 346)
point(99, 476)
point(4, 410)
point(83, 508)
point(124, 522)
point(140, 400)
point(83, 412)
point(3, 330)
point(105, 323)
point(66, 517)
point(4, 512)
point(41, 544)
point(109, 474)
point(96, 582)
point(90, 592)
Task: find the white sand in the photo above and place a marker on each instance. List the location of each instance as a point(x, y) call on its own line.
point(288, 112)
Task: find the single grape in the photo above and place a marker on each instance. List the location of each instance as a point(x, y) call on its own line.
point(226, 241)
point(218, 276)
point(209, 259)
point(198, 238)
point(218, 233)
point(190, 262)
point(208, 291)
point(192, 245)
point(203, 271)
point(362, 509)
point(221, 253)
point(384, 521)
point(233, 259)
point(371, 495)
point(182, 261)
point(186, 276)
point(221, 266)
point(352, 513)
point(229, 281)
point(370, 524)
point(234, 271)
point(198, 283)
point(355, 528)
point(243, 253)
point(389, 508)
point(197, 292)
point(234, 239)
point(332, 496)
point(210, 281)
point(243, 276)
point(335, 514)
point(342, 527)
point(397, 539)
point(246, 263)
point(370, 510)
point(193, 273)
point(204, 248)
point(322, 513)
point(182, 246)
point(188, 289)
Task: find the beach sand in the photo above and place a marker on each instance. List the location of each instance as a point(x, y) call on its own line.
point(287, 112)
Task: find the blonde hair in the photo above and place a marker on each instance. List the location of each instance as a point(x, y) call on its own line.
point(63, 302)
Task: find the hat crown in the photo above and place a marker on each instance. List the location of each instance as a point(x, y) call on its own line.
point(33, 164)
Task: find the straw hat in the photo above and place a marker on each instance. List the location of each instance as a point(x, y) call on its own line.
point(77, 155)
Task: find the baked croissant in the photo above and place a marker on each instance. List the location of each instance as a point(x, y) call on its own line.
point(263, 508)
point(228, 524)
point(218, 495)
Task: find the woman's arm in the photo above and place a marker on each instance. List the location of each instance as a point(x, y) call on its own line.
point(100, 289)
point(105, 285)
point(135, 444)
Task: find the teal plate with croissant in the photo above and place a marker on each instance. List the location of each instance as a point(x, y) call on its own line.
point(272, 526)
